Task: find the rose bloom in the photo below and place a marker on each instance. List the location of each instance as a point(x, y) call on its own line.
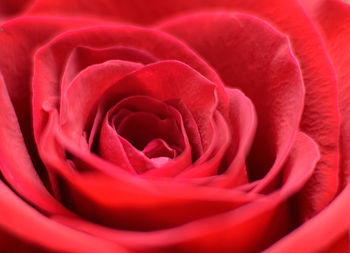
point(174, 126)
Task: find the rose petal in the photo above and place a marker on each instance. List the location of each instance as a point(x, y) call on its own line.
point(136, 197)
point(139, 128)
point(113, 146)
point(342, 244)
point(18, 170)
point(82, 96)
point(208, 164)
point(26, 224)
point(243, 225)
point(19, 38)
point(160, 206)
point(318, 73)
point(319, 226)
point(168, 80)
point(336, 34)
point(165, 81)
point(159, 148)
point(12, 8)
point(288, 16)
point(275, 87)
point(243, 124)
point(50, 59)
point(83, 57)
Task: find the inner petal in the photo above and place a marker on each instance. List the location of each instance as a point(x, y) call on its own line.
point(142, 134)
point(140, 128)
point(159, 148)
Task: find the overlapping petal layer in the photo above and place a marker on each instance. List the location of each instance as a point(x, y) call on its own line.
point(212, 89)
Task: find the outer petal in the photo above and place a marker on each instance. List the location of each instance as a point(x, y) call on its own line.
point(19, 39)
point(23, 223)
point(320, 119)
point(83, 57)
point(334, 218)
point(80, 99)
point(216, 233)
point(18, 169)
point(256, 59)
point(51, 58)
point(333, 18)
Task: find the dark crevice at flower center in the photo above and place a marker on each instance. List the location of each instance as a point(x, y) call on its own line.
point(147, 131)
point(141, 133)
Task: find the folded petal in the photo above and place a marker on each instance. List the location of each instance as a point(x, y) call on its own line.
point(333, 19)
point(83, 57)
point(19, 38)
point(333, 216)
point(243, 123)
point(136, 131)
point(49, 61)
point(258, 60)
point(25, 224)
point(18, 170)
point(80, 100)
point(242, 224)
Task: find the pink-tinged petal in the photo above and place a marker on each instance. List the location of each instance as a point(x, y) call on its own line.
point(15, 163)
point(215, 234)
point(50, 59)
point(256, 59)
point(23, 222)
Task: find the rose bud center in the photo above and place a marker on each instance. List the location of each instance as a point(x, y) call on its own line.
point(145, 137)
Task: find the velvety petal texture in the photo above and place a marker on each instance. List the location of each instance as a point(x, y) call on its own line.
point(174, 126)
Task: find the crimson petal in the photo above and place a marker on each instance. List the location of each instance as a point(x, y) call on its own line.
point(24, 223)
point(268, 74)
point(18, 170)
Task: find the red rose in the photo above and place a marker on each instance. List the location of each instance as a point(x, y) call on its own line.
point(174, 126)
